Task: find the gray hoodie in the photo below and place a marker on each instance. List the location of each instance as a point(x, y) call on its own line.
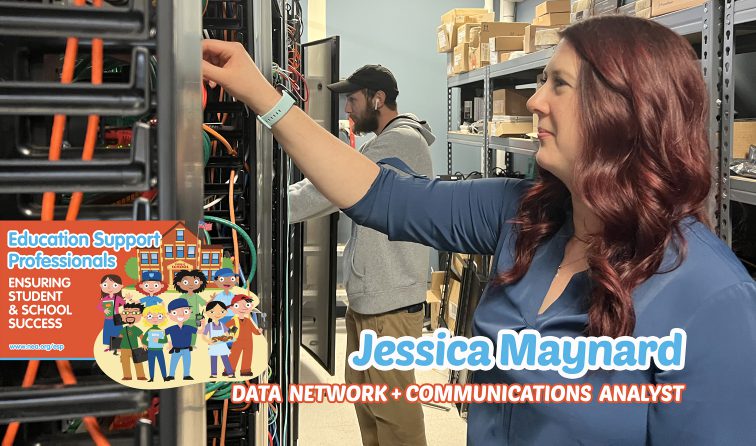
point(380, 275)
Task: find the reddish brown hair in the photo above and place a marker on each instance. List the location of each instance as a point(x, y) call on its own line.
point(163, 287)
point(645, 164)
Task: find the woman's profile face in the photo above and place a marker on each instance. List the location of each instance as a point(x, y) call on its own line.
point(556, 104)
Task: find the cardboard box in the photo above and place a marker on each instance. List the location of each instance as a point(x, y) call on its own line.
point(503, 128)
point(461, 58)
point(546, 37)
point(603, 7)
point(642, 4)
point(581, 5)
point(553, 19)
point(643, 13)
point(452, 304)
point(579, 16)
point(528, 40)
point(464, 15)
point(468, 33)
point(444, 40)
point(660, 7)
point(433, 297)
point(476, 59)
point(743, 135)
point(501, 44)
point(489, 30)
point(511, 102)
point(501, 56)
point(550, 6)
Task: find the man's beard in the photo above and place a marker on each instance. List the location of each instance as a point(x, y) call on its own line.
point(367, 122)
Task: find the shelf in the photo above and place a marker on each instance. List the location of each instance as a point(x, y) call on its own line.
point(340, 293)
point(520, 146)
point(467, 78)
point(743, 190)
point(532, 61)
point(745, 11)
point(685, 22)
point(465, 138)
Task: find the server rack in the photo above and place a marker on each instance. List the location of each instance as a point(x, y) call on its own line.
point(162, 152)
point(164, 160)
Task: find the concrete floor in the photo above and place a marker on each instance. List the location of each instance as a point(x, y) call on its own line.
point(336, 424)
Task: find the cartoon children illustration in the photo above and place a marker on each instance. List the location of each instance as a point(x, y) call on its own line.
point(151, 286)
point(111, 303)
point(242, 348)
point(216, 335)
point(225, 279)
point(180, 345)
point(190, 283)
point(155, 339)
point(130, 333)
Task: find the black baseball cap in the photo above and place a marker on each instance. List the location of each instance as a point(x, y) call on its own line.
point(372, 77)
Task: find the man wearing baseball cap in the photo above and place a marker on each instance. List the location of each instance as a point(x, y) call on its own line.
point(385, 281)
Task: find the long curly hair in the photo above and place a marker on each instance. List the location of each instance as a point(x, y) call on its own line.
point(644, 168)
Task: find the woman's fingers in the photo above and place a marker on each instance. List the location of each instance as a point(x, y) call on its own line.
point(212, 73)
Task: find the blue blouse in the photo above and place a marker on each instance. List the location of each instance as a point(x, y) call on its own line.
point(710, 295)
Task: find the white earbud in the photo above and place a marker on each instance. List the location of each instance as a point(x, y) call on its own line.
point(375, 104)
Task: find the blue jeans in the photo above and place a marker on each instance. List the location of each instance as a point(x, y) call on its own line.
point(184, 355)
point(152, 355)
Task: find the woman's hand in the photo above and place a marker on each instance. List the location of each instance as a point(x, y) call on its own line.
point(229, 65)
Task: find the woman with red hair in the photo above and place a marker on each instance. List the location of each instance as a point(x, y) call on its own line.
point(612, 238)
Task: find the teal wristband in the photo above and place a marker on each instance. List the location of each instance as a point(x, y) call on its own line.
point(281, 108)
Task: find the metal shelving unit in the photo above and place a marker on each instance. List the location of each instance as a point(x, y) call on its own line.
point(743, 13)
point(702, 25)
point(465, 139)
point(743, 190)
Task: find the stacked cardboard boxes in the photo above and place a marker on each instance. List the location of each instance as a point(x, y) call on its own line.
point(492, 30)
point(510, 112)
point(552, 13)
point(481, 44)
point(500, 47)
point(451, 22)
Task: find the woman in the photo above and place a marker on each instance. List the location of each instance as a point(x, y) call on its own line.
point(611, 239)
point(111, 303)
point(154, 339)
point(191, 283)
point(216, 335)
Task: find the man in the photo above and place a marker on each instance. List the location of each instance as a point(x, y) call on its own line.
point(132, 314)
point(180, 345)
point(385, 281)
point(243, 306)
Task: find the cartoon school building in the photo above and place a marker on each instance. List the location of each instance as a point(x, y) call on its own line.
point(180, 250)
